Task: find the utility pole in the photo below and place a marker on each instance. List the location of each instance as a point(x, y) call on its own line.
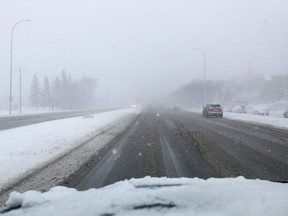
point(52, 94)
point(286, 87)
point(20, 91)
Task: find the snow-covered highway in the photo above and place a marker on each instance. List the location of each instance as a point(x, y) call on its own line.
point(104, 148)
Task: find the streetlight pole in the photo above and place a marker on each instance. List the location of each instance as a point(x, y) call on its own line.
point(204, 86)
point(11, 61)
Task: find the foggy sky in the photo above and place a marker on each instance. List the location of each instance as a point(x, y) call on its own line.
point(142, 48)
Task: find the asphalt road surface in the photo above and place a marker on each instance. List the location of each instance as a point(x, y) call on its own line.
point(163, 142)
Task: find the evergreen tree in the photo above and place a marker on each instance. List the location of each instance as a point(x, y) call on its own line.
point(57, 92)
point(46, 93)
point(87, 87)
point(63, 93)
point(35, 96)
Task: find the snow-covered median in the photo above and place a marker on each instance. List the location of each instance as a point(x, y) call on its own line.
point(158, 196)
point(24, 149)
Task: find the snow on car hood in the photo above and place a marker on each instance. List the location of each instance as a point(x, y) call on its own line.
point(157, 196)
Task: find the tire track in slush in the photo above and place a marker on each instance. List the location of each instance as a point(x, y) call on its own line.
point(181, 154)
point(101, 171)
point(153, 146)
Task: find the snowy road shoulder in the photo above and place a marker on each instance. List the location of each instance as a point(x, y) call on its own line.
point(158, 196)
point(275, 121)
point(23, 150)
point(258, 119)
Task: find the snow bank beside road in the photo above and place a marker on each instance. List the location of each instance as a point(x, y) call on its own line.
point(276, 121)
point(267, 120)
point(159, 196)
point(26, 148)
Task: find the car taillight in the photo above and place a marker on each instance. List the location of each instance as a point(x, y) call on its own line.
point(221, 109)
point(210, 109)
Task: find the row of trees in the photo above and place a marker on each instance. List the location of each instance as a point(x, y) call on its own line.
point(256, 89)
point(64, 93)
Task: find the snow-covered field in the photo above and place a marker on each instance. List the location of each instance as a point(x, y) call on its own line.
point(25, 148)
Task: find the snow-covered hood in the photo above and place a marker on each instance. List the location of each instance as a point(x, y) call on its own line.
point(157, 196)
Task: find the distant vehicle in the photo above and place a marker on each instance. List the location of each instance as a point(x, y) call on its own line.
point(260, 110)
point(177, 108)
point(239, 109)
point(150, 106)
point(212, 110)
point(285, 114)
point(228, 108)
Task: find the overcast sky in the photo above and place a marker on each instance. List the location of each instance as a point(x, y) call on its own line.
point(142, 48)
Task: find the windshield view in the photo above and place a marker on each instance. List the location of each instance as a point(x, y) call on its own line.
point(143, 107)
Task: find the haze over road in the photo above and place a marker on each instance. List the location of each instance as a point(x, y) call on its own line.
point(163, 142)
